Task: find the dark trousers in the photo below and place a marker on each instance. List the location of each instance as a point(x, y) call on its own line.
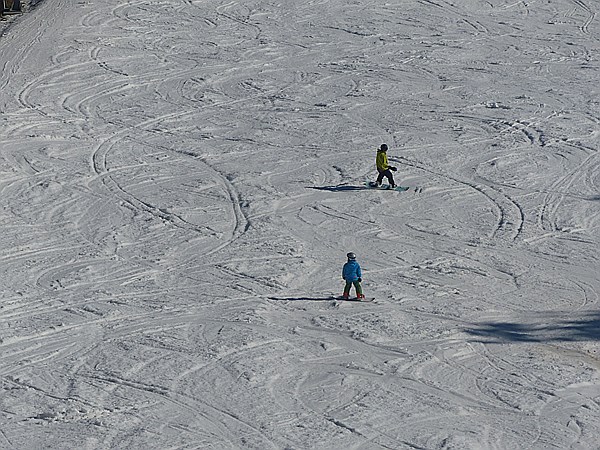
point(385, 173)
point(357, 286)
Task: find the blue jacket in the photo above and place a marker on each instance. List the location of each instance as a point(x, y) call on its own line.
point(351, 271)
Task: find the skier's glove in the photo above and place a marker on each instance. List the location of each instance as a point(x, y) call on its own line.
point(392, 168)
point(360, 280)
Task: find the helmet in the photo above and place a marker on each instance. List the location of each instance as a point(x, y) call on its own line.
point(384, 147)
point(351, 256)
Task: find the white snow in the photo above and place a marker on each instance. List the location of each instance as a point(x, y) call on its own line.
point(180, 182)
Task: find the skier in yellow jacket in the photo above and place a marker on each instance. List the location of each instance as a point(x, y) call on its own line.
point(383, 166)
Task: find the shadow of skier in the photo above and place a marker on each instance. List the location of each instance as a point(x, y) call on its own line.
point(339, 188)
point(307, 298)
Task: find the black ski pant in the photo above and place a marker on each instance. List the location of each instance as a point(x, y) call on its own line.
point(385, 173)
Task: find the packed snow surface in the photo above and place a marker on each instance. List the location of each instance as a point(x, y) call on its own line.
point(181, 180)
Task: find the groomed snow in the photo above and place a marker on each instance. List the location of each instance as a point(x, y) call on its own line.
point(180, 182)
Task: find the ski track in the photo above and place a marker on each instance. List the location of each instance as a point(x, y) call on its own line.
point(182, 180)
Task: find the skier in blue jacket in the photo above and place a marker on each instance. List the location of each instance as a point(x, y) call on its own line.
point(352, 275)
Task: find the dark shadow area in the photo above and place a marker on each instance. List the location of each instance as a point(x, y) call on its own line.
point(551, 328)
point(292, 299)
point(339, 188)
point(11, 7)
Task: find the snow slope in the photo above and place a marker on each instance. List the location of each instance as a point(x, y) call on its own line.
point(180, 181)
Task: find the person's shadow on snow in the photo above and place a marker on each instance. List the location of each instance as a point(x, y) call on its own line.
point(339, 188)
point(306, 298)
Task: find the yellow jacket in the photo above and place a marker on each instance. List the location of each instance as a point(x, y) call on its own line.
point(382, 161)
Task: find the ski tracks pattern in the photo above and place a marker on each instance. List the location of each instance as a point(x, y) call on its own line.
point(181, 175)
